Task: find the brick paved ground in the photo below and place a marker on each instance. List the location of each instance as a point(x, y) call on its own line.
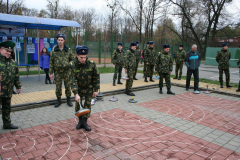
point(184, 126)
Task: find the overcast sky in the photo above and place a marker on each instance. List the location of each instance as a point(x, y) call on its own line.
point(75, 4)
point(101, 6)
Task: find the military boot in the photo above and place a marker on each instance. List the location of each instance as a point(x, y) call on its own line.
point(58, 103)
point(221, 85)
point(170, 92)
point(145, 79)
point(176, 77)
point(134, 78)
point(238, 90)
point(79, 125)
point(85, 125)
point(114, 83)
point(126, 91)
point(46, 82)
point(130, 93)
point(160, 91)
point(179, 78)
point(119, 82)
point(228, 85)
point(11, 127)
point(151, 79)
point(69, 103)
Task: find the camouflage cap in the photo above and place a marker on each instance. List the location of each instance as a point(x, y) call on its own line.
point(82, 50)
point(61, 35)
point(166, 46)
point(120, 44)
point(8, 45)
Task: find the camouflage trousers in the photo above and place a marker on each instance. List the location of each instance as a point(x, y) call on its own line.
point(136, 68)
point(59, 76)
point(6, 110)
point(118, 71)
point(167, 80)
point(129, 82)
point(87, 94)
point(179, 67)
point(149, 70)
point(227, 74)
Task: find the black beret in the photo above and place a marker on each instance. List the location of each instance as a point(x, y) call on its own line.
point(137, 42)
point(151, 42)
point(224, 44)
point(166, 46)
point(8, 45)
point(181, 45)
point(120, 44)
point(61, 35)
point(133, 44)
point(148, 42)
point(82, 50)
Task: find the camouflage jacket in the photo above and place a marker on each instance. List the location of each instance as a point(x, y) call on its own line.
point(129, 59)
point(84, 76)
point(223, 58)
point(180, 56)
point(164, 63)
point(238, 63)
point(117, 57)
point(60, 60)
point(149, 55)
point(8, 77)
point(138, 53)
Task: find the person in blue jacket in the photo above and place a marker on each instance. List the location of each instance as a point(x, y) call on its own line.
point(193, 62)
point(44, 64)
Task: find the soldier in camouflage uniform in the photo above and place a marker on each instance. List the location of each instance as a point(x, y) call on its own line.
point(149, 60)
point(223, 58)
point(129, 66)
point(138, 57)
point(164, 66)
point(118, 62)
point(8, 78)
point(85, 82)
point(145, 66)
point(180, 56)
point(238, 63)
point(59, 65)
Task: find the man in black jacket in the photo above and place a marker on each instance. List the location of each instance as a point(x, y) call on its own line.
point(193, 62)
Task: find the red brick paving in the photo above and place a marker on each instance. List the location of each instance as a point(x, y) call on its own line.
point(116, 134)
point(96, 60)
point(217, 113)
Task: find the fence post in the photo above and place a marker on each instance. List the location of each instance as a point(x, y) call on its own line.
point(51, 33)
point(31, 32)
point(134, 38)
point(143, 45)
point(123, 41)
point(159, 44)
point(85, 38)
point(112, 38)
point(99, 48)
point(69, 39)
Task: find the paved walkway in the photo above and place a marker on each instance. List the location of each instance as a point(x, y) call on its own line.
point(36, 91)
point(212, 73)
point(184, 126)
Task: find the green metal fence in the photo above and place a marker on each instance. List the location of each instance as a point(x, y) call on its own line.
point(102, 45)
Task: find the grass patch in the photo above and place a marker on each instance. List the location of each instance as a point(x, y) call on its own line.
point(203, 80)
point(23, 73)
point(106, 70)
